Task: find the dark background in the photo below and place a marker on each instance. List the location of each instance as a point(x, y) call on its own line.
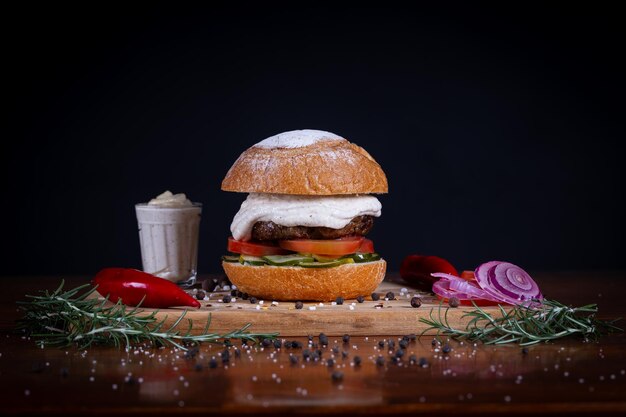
point(499, 129)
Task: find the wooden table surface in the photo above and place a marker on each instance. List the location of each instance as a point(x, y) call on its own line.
point(568, 377)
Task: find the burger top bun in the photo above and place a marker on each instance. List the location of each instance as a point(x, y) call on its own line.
point(306, 162)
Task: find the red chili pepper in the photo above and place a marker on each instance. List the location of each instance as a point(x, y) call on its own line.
point(131, 286)
point(416, 269)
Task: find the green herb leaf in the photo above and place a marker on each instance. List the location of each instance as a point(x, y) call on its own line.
point(61, 318)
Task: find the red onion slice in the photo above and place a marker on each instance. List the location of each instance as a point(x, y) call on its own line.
point(507, 282)
point(442, 289)
point(468, 288)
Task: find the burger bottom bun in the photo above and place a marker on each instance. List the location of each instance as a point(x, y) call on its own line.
point(312, 284)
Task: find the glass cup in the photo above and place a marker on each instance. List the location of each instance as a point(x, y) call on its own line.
point(169, 241)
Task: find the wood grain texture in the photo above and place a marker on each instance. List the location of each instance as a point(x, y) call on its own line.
point(568, 377)
point(370, 318)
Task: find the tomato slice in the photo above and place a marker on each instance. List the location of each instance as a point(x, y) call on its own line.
point(343, 246)
point(254, 248)
point(367, 246)
point(468, 275)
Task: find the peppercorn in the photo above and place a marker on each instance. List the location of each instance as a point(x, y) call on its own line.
point(319, 353)
point(323, 339)
point(253, 300)
point(412, 337)
point(233, 293)
point(213, 363)
point(293, 359)
point(339, 300)
point(524, 351)
point(299, 305)
point(375, 296)
point(434, 342)
point(423, 362)
point(200, 295)
point(399, 353)
point(346, 338)
point(360, 299)
point(403, 344)
point(454, 302)
point(295, 344)
point(315, 355)
point(391, 343)
point(225, 356)
point(416, 302)
point(244, 296)
point(381, 343)
point(237, 353)
point(446, 348)
point(198, 367)
point(357, 361)
point(380, 361)
point(335, 350)
point(278, 344)
point(412, 359)
point(310, 337)
point(266, 342)
point(131, 379)
point(306, 353)
point(330, 363)
point(390, 295)
point(337, 376)
point(344, 354)
point(227, 299)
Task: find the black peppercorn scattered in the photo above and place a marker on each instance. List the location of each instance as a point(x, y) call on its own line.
point(266, 342)
point(299, 305)
point(344, 354)
point(131, 379)
point(200, 295)
point(391, 343)
point(412, 337)
point(233, 293)
point(390, 296)
point(225, 355)
point(310, 338)
point(403, 344)
point(412, 359)
point(524, 351)
point(375, 296)
point(381, 343)
point(434, 342)
point(416, 302)
point(422, 362)
point(244, 296)
point(357, 361)
point(227, 299)
point(253, 300)
point(399, 353)
point(454, 302)
point(335, 350)
point(346, 338)
point(330, 363)
point(446, 348)
point(191, 353)
point(198, 367)
point(213, 363)
point(306, 353)
point(323, 339)
point(337, 376)
point(237, 353)
point(296, 345)
point(360, 299)
point(315, 356)
point(380, 361)
point(339, 300)
point(319, 353)
point(293, 359)
point(277, 343)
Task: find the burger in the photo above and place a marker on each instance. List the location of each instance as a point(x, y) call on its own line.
point(300, 233)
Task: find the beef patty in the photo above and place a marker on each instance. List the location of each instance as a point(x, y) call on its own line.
point(360, 225)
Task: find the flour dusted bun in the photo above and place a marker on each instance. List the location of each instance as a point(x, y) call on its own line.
point(306, 162)
point(292, 283)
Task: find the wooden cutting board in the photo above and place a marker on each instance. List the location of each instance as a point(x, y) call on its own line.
point(393, 317)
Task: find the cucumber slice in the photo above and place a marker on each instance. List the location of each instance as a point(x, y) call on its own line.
point(322, 258)
point(329, 264)
point(228, 258)
point(251, 260)
point(365, 257)
point(286, 260)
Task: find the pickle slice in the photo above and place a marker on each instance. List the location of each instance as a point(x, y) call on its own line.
point(251, 260)
point(229, 258)
point(286, 260)
point(364, 257)
point(329, 264)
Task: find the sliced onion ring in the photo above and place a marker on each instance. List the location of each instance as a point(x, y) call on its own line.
point(507, 282)
point(442, 289)
point(464, 287)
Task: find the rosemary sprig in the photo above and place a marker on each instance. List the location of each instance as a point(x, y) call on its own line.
point(62, 318)
point(543, 321)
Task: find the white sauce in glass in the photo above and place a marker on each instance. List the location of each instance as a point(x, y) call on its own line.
point(167, 199)
point(298, 210)
point(296, 139)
